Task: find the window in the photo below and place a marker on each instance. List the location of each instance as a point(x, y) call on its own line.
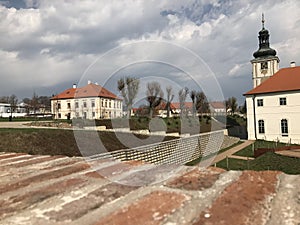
point(59, 115)
point(69, 105)
point(84, 104)
point(105, 103)
point(58, 106)
point(284, 127)
point(261, 126)
point(76, 104)
point(109, 104)
point(93, 113)
point(93, 104)
point(260, 102)
point(282, 101)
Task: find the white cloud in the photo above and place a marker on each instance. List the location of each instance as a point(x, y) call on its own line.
point(52, 39)
point(19, 22)
point(238, 70)
point(53, 42)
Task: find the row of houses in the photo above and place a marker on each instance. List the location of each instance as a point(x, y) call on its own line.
point(22, 110)
point(6, 110)
point(96, 102)
point(215, 108)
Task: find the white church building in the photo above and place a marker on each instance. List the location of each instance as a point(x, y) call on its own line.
point(273, 105)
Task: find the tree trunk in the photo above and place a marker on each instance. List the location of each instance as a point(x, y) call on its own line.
point(128, 113)
point(150, 112)
point(168, 110)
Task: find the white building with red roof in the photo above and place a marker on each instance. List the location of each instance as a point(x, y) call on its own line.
point(273, 105)
point(89, 102)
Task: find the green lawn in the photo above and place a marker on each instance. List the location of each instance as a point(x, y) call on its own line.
point(173, 124)
point(196, 161)
point(268, 161)
point(63, 142)
point(248, 151)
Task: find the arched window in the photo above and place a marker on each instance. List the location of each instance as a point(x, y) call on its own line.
point(261, 126)
point(284, 127)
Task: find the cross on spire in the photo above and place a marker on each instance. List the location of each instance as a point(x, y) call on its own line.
point(263, 20)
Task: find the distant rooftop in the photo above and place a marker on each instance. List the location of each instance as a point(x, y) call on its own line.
point(90, 90)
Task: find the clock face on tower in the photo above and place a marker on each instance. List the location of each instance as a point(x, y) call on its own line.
point(264, 65)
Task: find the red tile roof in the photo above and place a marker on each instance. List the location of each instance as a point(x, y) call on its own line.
point(90, 90)
point(286, 79)
point(188, 105)
point(163, 106)
point(217, 105)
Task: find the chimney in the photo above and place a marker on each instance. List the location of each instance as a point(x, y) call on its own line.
point(74, 86)
point(89, 82)
point(293, 64)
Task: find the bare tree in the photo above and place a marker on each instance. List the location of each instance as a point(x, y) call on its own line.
point(202, 105)
point(231, 103)
point(154, 96)
point(128, 88)
point(243, 108)
point(170, 97)
point(4, 99)
point(193, 95)
point(182, 94)
point(34, 103)
point(13, 101)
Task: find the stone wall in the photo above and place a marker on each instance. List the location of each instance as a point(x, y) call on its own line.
point(178, 151)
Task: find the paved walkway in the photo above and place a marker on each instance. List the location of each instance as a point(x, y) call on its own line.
point(228, 153)
point(240, 157)
point(12, 124)
point(291, 153)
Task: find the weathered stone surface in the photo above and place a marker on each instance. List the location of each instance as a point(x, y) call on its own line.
point(63, 190)
point(22, 201)
point(92, 200)
point(42, 177)
point(151, 209)
point(242, 202)
point(195, 180)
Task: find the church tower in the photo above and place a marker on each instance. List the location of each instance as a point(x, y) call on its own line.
point(265, 62)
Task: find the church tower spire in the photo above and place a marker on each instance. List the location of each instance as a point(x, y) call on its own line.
point(265, 62)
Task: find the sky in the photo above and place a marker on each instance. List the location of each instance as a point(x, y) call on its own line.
point(47, 46)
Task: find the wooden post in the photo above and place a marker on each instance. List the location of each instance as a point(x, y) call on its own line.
point(227, 163)
point(248, 163)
